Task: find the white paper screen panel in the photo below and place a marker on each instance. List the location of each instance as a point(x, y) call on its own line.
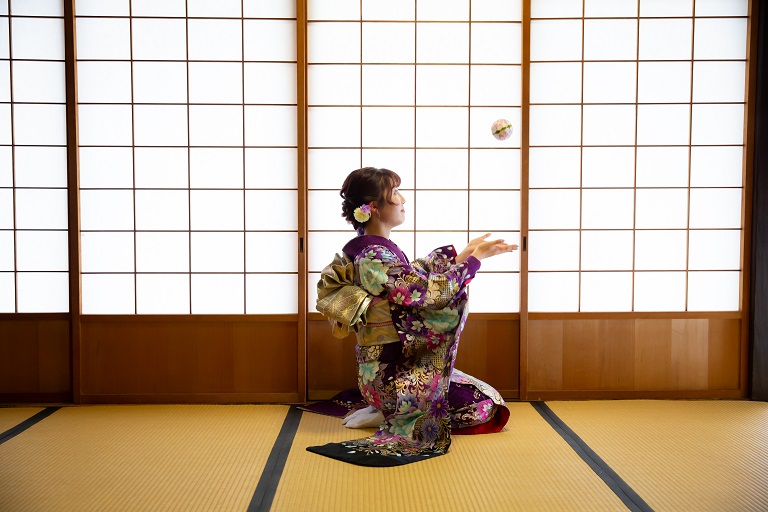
point(180, 134)
point(636, 154)
point(159, 251)
point(188, 143)
point(6, 125)
point(34, 258)
point(29, 131)
point(385, 81)
point(38, 81)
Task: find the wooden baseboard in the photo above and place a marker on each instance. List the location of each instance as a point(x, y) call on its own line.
point(602, 394)
point(510, 394)
point(193, 398)
point(36, 398)
point(322, 394)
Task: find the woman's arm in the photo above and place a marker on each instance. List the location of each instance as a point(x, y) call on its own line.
point(384, 275)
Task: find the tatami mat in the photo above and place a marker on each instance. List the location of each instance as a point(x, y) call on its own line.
point(680, 455)
point(526, 467)
point(12, 416)
point(139, 458)
point(676, 455)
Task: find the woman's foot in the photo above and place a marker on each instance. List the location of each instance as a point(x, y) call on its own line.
point(363, 418)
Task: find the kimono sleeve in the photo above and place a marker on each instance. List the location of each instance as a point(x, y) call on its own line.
point(383, 274)
point(439, 260)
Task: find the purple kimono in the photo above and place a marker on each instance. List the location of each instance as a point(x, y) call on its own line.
point(409, 379)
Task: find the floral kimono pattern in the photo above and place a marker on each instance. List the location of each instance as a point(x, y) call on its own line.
point(409, 378)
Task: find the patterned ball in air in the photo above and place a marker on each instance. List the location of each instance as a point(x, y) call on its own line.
point(501, 129)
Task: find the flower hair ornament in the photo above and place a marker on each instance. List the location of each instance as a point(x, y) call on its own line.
point(362, 213)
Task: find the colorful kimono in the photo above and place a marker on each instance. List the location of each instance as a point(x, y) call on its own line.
point(407, 341)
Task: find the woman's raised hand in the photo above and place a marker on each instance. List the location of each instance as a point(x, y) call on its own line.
point(477, 241)
point(492, 248)
point(469, 249)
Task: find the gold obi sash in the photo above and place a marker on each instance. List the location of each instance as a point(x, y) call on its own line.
point(349, 307)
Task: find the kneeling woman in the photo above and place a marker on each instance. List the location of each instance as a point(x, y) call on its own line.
point(408, 317)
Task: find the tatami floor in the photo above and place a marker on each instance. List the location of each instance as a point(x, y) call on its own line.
point(577, 456)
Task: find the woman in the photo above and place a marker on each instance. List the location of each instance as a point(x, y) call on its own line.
point(408, 317)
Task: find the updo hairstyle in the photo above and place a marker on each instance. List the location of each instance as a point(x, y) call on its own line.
point(363, 186)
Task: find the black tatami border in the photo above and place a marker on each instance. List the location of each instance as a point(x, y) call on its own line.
point(625, 493)
point(273, 470)
point(29, 422)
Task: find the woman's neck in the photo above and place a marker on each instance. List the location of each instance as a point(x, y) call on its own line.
point(377, 229)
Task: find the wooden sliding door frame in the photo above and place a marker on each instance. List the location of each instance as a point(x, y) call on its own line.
point(748, 170)
point(743, 314)
point(524, 316)
point(301, 123)
point(525, 104)
point(73, 194)
point(75, 315)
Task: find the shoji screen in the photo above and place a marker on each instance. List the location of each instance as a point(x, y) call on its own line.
point(33, 172)
point(187, 113)
point(636, 145)
point(414, 87)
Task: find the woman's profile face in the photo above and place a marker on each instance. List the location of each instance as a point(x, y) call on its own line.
point(393, 214)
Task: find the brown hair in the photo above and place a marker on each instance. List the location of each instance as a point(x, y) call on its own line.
point(363, 186)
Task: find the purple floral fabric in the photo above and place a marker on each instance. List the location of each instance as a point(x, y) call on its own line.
point(409, 380)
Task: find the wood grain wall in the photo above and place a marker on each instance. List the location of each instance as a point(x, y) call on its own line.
point(161, 359)
point(573, 358)
point(330, 361)
point(188, 359)
point(489, 350)
point(633, 358)
point(34, 359)
point(223, 359)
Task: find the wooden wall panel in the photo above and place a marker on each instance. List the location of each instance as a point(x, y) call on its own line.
point(632, 358)
point(545, 354)
point(653, 354)
point(489, 350)
point(34, 360)
point(135, 360)
point(598, 354)
point(580, 355)
point(330, 361)
point(724, 362)
point(188, 360)
point(690, 354)
point(617, 369)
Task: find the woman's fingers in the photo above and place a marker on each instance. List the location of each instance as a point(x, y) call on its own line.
point(492, 248)
point(477, 241)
